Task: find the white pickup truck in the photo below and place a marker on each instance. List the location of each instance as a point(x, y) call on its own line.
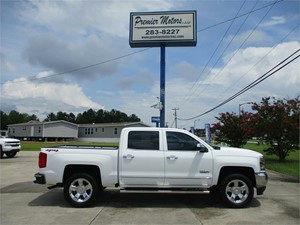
point(9, 146)
point(148, 160)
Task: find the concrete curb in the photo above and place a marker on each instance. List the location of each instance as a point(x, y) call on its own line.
point(282, 177)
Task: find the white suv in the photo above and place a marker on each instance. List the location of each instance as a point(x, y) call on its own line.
point(9, 146)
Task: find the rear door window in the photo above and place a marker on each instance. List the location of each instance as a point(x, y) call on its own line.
point(145, 140)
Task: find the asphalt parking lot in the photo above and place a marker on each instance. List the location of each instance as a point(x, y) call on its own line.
point(23, 202)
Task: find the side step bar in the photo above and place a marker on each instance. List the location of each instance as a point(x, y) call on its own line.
point(165, 191)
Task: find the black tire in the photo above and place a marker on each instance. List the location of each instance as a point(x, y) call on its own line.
point(236, 190)
point(1, 152)
point(10, 154)
point(81, 190)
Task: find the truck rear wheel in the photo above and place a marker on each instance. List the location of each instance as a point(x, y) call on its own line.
point(236, 190)
point(81, 190)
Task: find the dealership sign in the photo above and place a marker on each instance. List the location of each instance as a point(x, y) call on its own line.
point(155, 29)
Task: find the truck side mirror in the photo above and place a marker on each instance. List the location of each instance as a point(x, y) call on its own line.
point(201, 148)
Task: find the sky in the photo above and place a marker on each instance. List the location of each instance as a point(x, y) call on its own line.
point(73, 55)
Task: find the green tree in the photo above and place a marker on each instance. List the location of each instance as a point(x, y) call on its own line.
point(50, 117)
point(71, 118)
point(88, 116)
point(133, 118)
point(277, 123)
point(233, 129)
point(15, 117)
point(3, 120)
point(92, 116)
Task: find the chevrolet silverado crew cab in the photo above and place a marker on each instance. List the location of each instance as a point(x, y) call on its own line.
point(148, 160)
point(9, 146)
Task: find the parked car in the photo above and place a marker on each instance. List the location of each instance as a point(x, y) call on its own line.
point(9, 146)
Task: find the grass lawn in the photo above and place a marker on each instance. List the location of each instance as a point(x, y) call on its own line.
point(289, 167)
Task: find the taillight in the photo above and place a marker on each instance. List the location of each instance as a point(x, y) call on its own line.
point(42, 160)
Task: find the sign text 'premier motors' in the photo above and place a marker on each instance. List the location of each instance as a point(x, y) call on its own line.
point(163, 28)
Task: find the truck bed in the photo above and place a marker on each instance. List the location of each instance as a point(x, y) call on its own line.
point(83, 147)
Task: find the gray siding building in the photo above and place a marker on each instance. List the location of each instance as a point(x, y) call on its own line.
point(53, 130)
point(63, 130)
point(104, 132)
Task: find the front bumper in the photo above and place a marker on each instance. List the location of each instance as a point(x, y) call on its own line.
point(10, 150)
point(39, 178)
point(261, 182)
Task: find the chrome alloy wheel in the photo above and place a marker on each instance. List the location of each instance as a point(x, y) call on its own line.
point(81, 190)
point(237, 191)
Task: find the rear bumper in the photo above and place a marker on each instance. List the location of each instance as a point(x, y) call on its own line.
point(39, 178)
point(261, 182)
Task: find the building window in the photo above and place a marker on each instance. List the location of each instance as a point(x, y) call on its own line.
point(13, 130)
point(116, 130)
point(96, 130)
point(39, 129)
point(102, 129)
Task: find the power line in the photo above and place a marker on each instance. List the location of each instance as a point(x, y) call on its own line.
point(32, 78)
point(223, 52)
point(253, 84)
point(239, 46)
point(232, 21)
point(220, 23)
point(259, 61)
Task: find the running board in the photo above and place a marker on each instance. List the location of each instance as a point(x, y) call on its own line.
point(167, 191)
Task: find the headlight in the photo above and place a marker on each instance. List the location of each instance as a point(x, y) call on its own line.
point(262, 163)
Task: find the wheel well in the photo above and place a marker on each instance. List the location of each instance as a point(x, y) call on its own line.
point(247, 171)
point(89, 169)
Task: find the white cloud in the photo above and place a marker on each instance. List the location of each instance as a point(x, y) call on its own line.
point(275, 20)
point(186, 70)
point(192, 102)
point(39, 98)
point(83, 16)
point(257, 60)
point(257, 37)
point(60, 56)
point(6, 64)
point(64, 35)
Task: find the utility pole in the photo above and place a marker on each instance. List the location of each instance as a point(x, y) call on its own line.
point(175, 114)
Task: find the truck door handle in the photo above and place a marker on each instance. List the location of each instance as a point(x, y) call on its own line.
point(129, 156)
point(172, 157)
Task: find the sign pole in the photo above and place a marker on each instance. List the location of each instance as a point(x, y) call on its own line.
point(162, 84)
point(163, 29)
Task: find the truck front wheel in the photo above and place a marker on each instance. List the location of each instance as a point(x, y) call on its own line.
point(236, 190)
point(81, 190)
